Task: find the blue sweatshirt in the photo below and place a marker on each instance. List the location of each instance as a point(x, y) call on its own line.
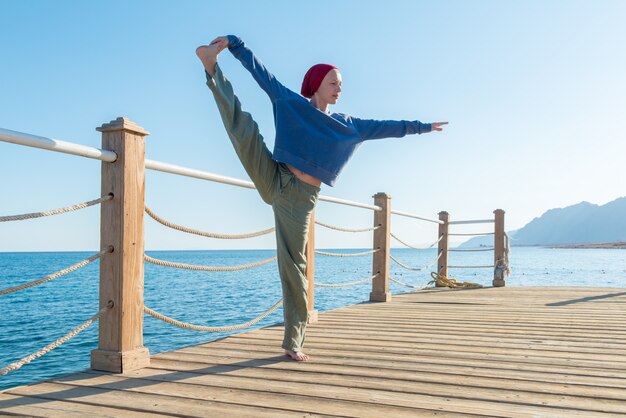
point(308, 139)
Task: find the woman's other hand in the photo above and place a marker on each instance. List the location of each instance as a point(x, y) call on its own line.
point(220, 43)
point(436, 126)
point(208, 53)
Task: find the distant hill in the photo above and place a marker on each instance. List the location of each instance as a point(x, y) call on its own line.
point(582, 223)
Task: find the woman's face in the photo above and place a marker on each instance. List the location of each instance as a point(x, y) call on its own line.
point(330, 89)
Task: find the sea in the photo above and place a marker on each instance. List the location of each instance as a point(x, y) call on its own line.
point(33, 318)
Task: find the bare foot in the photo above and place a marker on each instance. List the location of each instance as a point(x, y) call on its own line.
point(208, 53)
point(297, 355)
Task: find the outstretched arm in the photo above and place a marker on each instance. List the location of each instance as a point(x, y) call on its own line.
point(263, 77)
point(377, 129)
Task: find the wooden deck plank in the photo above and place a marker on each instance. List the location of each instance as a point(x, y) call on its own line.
point(511, 352)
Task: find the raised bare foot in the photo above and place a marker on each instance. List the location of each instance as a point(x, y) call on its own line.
point(208, 53)
point(297, 355)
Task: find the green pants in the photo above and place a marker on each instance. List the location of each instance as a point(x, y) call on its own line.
point(292, 201)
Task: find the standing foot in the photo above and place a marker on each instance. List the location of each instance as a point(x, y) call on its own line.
point(297, 355)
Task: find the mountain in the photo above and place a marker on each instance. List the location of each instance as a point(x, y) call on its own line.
point(582, 223)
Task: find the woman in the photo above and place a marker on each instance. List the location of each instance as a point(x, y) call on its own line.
point(312, 146)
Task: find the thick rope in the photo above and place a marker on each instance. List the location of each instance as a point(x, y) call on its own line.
point(206, 328)
point(346, 254)
point(472, 250)
point(50, 347)
point(417, 269)
point(345, 284)
point(336, 228)
point(417, 248)
point(443, 281)
point(55, 211)
point(203, 233)
point(206, 268)
point(57, 274)
point(410, 285)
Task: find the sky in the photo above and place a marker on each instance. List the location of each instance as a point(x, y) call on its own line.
point(534, 92)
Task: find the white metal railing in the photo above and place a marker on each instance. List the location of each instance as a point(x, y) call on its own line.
point(35, 141)
point(410, 215)
point(476, 221)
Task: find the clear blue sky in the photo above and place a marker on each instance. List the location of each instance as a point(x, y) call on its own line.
point(534, 91)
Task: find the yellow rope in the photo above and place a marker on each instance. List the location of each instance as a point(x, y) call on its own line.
point(443, 281)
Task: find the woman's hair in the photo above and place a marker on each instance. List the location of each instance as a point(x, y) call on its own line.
point(313, 78)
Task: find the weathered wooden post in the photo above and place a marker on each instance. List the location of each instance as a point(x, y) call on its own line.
point(120, 339)
point(310, 269)
point(380, 259)
point(498, 249)
point(442, 249)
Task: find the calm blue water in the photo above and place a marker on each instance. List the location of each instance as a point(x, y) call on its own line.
point(32, 318)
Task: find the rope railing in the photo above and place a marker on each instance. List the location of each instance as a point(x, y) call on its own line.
point(206, 268)
point(470, 250)
point(345, 284)
point(417, 268)
point(57, 274)
point(203, 328)
point(346, 254)
point(50, 347)
point(336, 228)
point(401, 283)
point(415, 248)
point(204, 233)
point(55, 211)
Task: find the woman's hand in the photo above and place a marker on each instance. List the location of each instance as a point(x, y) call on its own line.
point(208, 53)
point(220, 43)
point(436, 126)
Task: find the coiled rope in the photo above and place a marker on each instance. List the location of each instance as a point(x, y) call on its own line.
point(420, 268)
point(55, 211)
point(50, 347)
point(206, 268)
point(416, 248)
point(206, 328)
point(57, 274)
point(203, 233)
point(347, 254)
point(336, 228)
point(443, 281)
point(345, 284)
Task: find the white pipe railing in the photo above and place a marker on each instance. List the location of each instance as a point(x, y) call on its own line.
point(410, 215)
point(21, 138)
point(477, 221)
point(42, 142)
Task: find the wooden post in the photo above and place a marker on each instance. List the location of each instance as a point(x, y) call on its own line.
point(310, 269)
point(120, 339)
point(442, 264)
point(498, 248)
point(380, 259)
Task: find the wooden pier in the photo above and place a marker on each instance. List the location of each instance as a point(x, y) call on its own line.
point(508, 352)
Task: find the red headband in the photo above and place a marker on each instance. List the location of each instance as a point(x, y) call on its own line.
point(313, 78)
